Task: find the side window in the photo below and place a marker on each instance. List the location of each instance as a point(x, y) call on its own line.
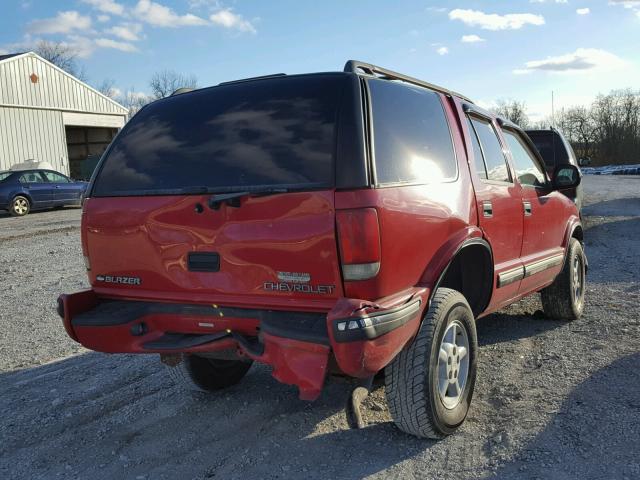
point(54, 177)
point(493, 155)
point(527, 168)
point(31, 177)
point(411, 135)
point(478, 158)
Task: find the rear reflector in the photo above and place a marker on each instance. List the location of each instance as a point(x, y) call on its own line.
point(359, 240)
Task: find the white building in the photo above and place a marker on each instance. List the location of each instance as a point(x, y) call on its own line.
point(47, 115)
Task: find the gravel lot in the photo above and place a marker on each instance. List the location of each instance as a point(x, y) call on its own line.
point(552, 400)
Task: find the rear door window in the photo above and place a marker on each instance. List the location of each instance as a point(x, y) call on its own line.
point(412, 140)
point(278, 132)
point(527, 168)
point(478, 157)
point(493, 155)
point(31, 177)
point(54, 177)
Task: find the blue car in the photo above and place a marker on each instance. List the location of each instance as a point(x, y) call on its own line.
point(25, 190)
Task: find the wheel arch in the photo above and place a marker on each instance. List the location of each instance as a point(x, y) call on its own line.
point(467, 263)
point(21, 193)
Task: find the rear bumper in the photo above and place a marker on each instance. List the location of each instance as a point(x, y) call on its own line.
point(363, 337)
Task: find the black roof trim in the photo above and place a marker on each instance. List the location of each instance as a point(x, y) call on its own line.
point(10, 55)
point(356, 66)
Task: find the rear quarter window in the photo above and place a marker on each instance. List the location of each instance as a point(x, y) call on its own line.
point(412, 140)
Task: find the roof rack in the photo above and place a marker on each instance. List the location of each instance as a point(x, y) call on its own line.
point(354, 66)
point(253, 78)
point(182, 90)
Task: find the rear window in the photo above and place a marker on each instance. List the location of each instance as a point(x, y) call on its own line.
point(551, 148)
point(269, 133)
point(411, 135)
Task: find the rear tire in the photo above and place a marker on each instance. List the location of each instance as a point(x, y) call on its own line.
point(429, 385)
point(564, 298)
point(20, 206)
point(206, 374)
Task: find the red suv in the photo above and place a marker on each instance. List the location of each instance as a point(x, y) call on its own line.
point(342, 223)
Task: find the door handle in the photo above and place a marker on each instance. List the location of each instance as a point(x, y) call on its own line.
point(527, 209)
point(487, 209)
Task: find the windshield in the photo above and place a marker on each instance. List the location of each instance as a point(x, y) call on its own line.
point(4, 175)
point(250, 135)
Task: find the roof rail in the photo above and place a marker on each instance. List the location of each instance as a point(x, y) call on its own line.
point(253, 78)
point(354, 66)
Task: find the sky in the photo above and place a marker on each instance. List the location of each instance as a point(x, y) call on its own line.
point(485, 49)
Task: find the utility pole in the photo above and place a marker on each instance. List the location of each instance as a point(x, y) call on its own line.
point(553, 116)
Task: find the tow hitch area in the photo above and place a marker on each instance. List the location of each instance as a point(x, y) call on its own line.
point(354, 402)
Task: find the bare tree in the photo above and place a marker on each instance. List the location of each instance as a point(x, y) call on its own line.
point(108, 88)
point(513, 110)
point(165, 82)
point(579, 128)
point(134, 101)
point(62, 56)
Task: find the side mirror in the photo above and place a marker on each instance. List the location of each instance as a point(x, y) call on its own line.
point(566, 176)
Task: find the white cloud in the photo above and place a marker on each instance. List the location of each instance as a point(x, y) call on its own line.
point(63, 22)
point(631, 4)
point(552, 1)
point(106, 6)
point(471, 39)
point(227, 19)
point(162, 16)
point(442, 51)
point(493, 21)
point(625, 3)
point(103, 18)
point(81, 44)
point(583, 11)
point(126, 31)
point(582, 60)
point(122, 46)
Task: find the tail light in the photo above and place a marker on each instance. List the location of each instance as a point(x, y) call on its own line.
point(359, 241)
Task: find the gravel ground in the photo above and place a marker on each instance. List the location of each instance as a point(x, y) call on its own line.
point(553, 400)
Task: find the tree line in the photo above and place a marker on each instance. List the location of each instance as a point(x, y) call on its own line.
point(607, 131)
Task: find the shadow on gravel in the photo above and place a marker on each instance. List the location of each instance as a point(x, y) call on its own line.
point(504, 327)
point(622, 207)
point(593, 435)
point(100, 416)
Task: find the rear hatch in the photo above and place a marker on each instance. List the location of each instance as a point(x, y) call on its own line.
point(225, 195)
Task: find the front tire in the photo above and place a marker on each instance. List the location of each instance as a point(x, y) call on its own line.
point(564, 298)
point(20, 206)
point(429, 385)
point(207, 374)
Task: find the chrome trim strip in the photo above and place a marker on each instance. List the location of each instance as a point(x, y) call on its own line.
point(510, 276)
point(541, 265)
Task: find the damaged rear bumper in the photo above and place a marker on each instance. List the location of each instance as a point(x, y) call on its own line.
point(362, 337)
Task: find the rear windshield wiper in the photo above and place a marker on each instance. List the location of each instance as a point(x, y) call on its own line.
point(233, 199)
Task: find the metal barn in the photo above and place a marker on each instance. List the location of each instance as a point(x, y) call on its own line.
point(47, 115)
